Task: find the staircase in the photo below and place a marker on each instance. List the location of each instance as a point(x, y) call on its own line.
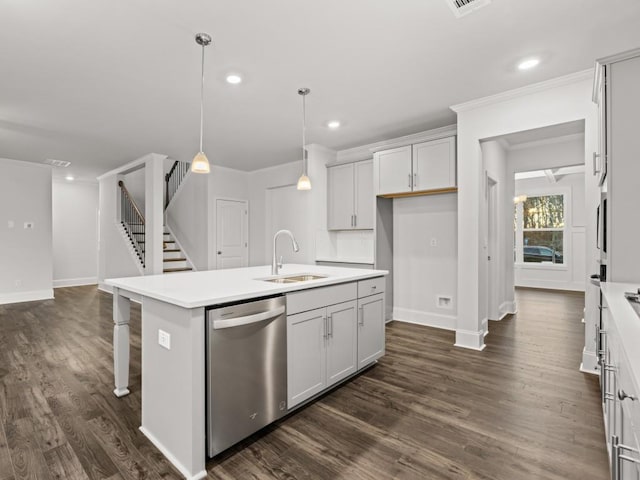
point(133, 224)
point(174, 259)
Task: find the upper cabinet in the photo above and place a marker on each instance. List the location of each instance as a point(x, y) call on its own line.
point(350, 197)
point(416, 168)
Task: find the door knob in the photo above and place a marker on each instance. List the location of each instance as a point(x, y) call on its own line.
point(219, 253)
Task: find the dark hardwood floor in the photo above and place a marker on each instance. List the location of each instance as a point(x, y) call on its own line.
point(518, 410)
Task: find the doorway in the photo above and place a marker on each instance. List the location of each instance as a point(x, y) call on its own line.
point(493, 271)
point(232, 228)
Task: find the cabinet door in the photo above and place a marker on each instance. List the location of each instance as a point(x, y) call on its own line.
point(434, 164)
point(370, 329)
point(393, 170)
point(342, 341)
point(306, 355)
point(365, 200)
point(340, 197)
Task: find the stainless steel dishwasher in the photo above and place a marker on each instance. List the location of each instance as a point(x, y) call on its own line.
point(246, 370)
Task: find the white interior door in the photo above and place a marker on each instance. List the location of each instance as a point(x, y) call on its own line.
point(288, 209)
point(232, 239)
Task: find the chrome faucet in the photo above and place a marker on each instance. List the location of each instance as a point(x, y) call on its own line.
point(275, 265)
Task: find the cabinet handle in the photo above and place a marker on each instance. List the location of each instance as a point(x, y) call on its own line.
point(617, 456)
point(605, 368)
point(324, 327)
point(415, 180)
point(596, 168)
point(409, 181)
point(361, 315)
point(622, 395)
point(355, 220)
point(330, 326)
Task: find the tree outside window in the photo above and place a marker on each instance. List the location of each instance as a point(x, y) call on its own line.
point(540, 220)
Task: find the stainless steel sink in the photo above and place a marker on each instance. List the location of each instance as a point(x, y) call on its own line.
point(293, 278)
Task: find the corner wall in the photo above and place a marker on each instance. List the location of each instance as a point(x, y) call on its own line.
point(26, 256)
point(75, 233)
point(557, 101)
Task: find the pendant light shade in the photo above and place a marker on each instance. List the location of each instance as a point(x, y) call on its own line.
point(200, 163)
point(304, 183)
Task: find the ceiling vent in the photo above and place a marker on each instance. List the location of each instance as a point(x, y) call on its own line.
point(463, 7)
point(57, 163)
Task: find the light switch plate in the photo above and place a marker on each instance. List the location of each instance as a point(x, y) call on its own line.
point(164, 339)
point(11, 224)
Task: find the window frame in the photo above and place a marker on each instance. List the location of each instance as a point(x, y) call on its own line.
point(520, 230)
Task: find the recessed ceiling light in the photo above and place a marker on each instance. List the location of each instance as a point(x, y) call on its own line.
point(333, 124)
point(69, 178)
point(234, 79)
point(528, 63)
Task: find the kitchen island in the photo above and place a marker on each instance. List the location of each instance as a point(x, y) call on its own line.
point(174, 332)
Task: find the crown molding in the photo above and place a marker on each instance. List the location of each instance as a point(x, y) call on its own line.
point(524, 91)
point(365, 152)
point(127, 167)
point(619, 57)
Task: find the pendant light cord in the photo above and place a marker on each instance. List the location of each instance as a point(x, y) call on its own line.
point(304, 130)
point(202, 100)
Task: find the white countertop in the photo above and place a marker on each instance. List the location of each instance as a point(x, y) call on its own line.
point(214, 287)
point(359, 260)
point(626, 321)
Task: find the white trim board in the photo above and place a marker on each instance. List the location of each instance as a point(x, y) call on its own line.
point(427, 319)
point(75, 282)
point(365, 152)
point(524, 91)
point(174, 461)
point(32, 296)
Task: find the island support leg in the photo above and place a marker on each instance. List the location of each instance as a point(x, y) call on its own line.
point(121, 315)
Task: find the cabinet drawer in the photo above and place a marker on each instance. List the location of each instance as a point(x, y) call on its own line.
point(370, 286)
point(306, 300)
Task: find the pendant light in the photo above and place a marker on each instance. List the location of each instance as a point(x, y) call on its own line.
point(200, 163)
point(303, 182)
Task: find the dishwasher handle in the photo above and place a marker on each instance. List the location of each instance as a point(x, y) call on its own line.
point(248, 319)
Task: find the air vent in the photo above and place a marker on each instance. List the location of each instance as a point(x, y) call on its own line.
point(463, 7)
point(57, 163)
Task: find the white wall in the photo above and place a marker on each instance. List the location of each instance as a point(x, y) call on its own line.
point(422, 271)
point(75, 233)
point(557, 101)
point(135, 183)
point(26, 260)
point(260, 181)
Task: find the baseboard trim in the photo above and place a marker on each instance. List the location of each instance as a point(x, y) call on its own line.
point(75, 282)
point(470, 340)
point(589, 363)
point(174, 461)
point(550, 285)
point(103, 287)
point(427, 319)
point(32, 296)
point(507, 308)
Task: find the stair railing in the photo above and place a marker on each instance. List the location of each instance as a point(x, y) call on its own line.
point(173, 179)
point(132, 220)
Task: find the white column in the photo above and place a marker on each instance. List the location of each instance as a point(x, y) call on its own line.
point(121, 315)
point(154, 213)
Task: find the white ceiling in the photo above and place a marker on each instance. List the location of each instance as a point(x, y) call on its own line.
point(537, 135)
point(102, 82)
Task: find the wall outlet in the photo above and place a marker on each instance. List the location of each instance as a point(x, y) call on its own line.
point(164, 339)
point(29, 225)
point(444, 301)
point(434, 242)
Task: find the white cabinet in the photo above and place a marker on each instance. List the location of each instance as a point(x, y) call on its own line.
point(350, 197)
point(370, 329)
point(394, 170)
point(341, 341)
point(306, 355)
point(434, 164)
point(620, 405)
point(416, 168)
point(321, 350)
point(331, 334)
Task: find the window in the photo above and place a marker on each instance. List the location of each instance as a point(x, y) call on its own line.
point(539, 229)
